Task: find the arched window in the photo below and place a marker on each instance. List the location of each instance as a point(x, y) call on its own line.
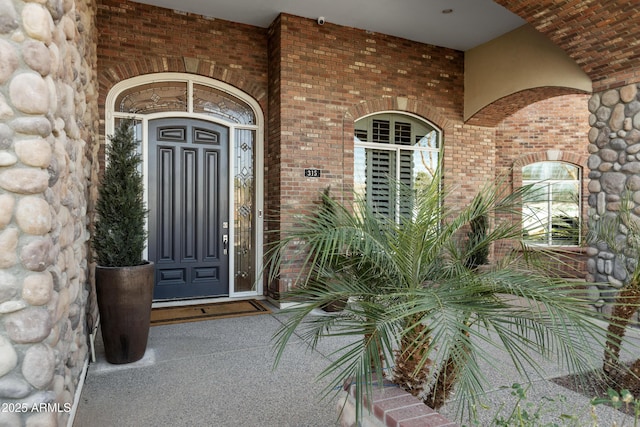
point(389, 149)
point(551, 212)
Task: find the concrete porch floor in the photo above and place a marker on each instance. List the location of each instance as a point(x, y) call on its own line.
point(219, 373)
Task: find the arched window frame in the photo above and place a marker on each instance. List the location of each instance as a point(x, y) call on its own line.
point(364, 147)
point(141, 124)
point(571, 159)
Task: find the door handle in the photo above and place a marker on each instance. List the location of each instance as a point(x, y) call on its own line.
point(225, 244)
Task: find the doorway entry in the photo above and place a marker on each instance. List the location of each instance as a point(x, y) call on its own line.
point(201, 141)
point(189, 208)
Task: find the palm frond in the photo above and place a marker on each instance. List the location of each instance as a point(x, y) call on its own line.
point(413, 293)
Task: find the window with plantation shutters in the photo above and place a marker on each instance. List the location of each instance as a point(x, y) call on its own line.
point(393, 150)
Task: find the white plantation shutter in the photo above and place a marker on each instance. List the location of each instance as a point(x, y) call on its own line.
point(386, 149)
point(381, 131)
point(381, 166)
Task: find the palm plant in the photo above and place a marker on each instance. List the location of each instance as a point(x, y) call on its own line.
point(416, 303)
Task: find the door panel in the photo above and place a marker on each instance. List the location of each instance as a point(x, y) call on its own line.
point(188, 208)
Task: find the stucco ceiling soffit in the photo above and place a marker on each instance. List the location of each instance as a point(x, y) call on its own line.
point(518, 61)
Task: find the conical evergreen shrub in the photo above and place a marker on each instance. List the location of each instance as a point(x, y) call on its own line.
point(119, 235)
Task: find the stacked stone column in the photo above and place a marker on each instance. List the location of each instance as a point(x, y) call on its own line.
point(47, 122)
point(614, 165)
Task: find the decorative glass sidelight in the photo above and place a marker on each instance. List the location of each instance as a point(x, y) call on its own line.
point(137, 132)
point(244, 202)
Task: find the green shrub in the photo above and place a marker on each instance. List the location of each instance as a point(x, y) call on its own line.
point(119, 234)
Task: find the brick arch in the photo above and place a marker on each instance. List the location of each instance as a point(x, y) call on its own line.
point(500, 109)
point(419, 108)
point(577, 28)
point(108, 77)
point(547, 156)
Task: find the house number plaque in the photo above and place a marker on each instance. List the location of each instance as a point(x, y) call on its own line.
point(312, 173)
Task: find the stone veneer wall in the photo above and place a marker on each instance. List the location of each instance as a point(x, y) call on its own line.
point(614, 163)
point(48, 117)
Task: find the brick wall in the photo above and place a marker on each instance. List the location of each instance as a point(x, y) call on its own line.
point(331, 75)
point(313, 82)
point(136, 39)
point(552, 129)
point(133, 31)
point(559, 123)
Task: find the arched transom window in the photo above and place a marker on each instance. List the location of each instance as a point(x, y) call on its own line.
point(175, 96)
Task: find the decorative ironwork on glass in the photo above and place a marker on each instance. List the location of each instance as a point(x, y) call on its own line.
point(217, 103)
point(153, 98)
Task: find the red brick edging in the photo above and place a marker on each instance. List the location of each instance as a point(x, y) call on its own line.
point(391, 406)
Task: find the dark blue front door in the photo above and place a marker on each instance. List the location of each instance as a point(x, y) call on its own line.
point(188, 208)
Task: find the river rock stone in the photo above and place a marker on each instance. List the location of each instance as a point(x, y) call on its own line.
point(29, 93)
point(628, 93)
point(37, 22)
point(7, 159)
point(13, 387)
point(24, 180)
point(633, 183)
point(603, 114)
point(610, 98)
point(633, 137)
point(617, 118)
point(8, 17)
point(12, 306)
point(632, 167)
point(31, 325)
point(38, 365)
point(6, 133)
point(8, 61)
point(37, 288)
point(50, 96)
point(37, 56)
point(6, 112)
point(33, 215)
point(8, 246)
point(38, 254)
point(594, 102)
point(607, 155)
point(34, 152)
point(32, 126)
point(613, 182)
point(8, 286)
point(614, 171)
point(7, 203)
point(8, 356)
point(42, 419)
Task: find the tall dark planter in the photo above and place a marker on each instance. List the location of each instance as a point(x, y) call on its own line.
point(124, 300)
